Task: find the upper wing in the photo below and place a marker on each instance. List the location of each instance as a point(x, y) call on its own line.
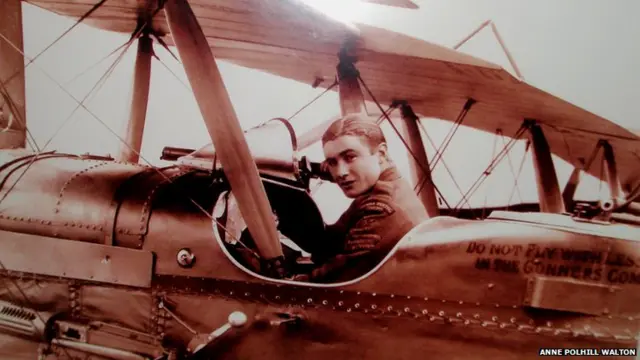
point(397, 3)
point(287, 38)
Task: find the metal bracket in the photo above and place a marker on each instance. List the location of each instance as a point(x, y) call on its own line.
point(576, 296)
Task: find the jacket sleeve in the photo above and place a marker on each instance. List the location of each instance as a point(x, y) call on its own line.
point(361, 242)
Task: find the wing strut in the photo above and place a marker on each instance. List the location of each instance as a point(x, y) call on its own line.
point(12, 91)
point(351, 97)
point(613, 181)
point(408, 127)
point(224, 128)
point(549, 194)
point(612, 173)
point(139, 100)
point(425, 170)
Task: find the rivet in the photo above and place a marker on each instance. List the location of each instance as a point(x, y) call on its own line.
point(425, 312)
point(476, 316)
point(406, 310)
point(513, 320)
point(461, 302)
point(357, 305)
point(374, 294)
point(548, 323)
point(389, 308)
point(349, 310)
point(441, 313)
point(494, 318)
point(491, 286)
point(340, 303)
point(324, 302)
point(459, 315)
point(444, 301)
point(426, 299)
point(246, 294)
point(374, 306)
point(408, 297)
point(309, 300)
point(392, 296)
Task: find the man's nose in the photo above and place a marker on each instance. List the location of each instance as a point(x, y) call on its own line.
point(342, 169)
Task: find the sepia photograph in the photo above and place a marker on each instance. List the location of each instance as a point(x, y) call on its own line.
point(319, 179)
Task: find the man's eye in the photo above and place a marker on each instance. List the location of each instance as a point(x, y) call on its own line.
point(349, 157)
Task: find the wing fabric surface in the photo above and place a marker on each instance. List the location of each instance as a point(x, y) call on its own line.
point(289, 39)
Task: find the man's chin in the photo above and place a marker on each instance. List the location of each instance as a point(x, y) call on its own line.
point(351, 193)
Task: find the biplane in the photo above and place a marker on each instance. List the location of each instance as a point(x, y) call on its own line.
point(108, 258)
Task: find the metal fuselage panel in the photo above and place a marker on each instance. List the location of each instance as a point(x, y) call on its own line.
point(62, 196)
point(498, 287)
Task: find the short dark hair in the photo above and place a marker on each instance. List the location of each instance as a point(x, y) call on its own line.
point(355, 125)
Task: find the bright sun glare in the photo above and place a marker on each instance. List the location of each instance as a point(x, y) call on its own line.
point(343, 10)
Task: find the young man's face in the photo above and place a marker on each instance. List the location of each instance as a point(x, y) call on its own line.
point(352, 164)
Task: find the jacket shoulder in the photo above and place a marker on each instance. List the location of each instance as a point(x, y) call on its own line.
point(376, 201)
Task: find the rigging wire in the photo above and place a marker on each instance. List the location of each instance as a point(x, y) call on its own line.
point(513, 173)
point(133, 150)
point(517, 176)
point(386, 113)
point(401, 138)
point(313, 100)
point(495, 162)
point(101, 81)
point(171, 72)
point(451, 133)
point(67, 83)
point(424, 130)
point(77, 22)
point(493, 154)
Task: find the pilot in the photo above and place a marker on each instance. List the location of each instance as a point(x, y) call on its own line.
point(384, 206)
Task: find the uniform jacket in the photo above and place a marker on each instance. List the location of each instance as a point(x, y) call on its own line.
point(369, 229)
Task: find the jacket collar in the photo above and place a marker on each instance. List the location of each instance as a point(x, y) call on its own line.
point(390, 174)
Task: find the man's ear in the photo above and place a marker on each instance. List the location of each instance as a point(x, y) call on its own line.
point(383, 151)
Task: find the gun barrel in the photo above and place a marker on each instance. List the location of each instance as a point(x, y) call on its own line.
point(173, 153)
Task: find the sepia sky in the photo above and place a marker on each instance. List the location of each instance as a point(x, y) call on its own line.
point(585, 51)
